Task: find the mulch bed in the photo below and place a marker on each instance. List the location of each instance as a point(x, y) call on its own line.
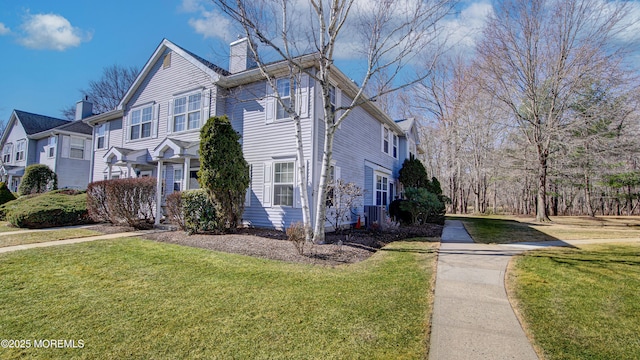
point(273, 244)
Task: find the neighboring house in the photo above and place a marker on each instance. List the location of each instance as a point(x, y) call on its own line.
point(155, 132)
point(63, 145)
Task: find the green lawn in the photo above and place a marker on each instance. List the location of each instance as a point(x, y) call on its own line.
point(139, 299)
point(44, 236)
point(502, 229)
point(5, 227)
point(580, 303)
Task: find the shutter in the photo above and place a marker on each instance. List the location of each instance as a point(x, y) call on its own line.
point(170, 117)
point(126, 121)
point(156, 120)
point(338, 104)
point(206, 107)
point(297, 203)
point(87, 149)
point(303, 99)
point(106, 135)
point(269, 105)
point(247, 198)
point(66, 146)
point(266, 195)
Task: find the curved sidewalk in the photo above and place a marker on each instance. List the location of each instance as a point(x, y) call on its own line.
point(472, 316)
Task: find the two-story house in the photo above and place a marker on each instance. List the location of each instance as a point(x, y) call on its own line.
point(155, 132)
point(63, 145)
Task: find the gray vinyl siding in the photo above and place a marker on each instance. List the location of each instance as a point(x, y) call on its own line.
point(359, 140)
point(265, 143)
point(73, 173)
point(159, 87)
point(42, 151)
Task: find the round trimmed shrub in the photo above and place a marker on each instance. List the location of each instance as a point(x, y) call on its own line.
point(38, 178)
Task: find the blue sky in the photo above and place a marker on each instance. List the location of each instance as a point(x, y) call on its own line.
point(49, 50)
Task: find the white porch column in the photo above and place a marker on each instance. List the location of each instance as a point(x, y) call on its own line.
point(185, 173)
point(109, 172)
point(159, 193)
point(129, 171)
point(10, 183)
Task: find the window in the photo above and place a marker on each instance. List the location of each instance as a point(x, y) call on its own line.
point(332, 97)
point(20, 150)
point(52, 146)
point(382, 189)
point(77, 148)
point(284, 91)
point(141, 120)
point(177, 179)
point(395, 146)
point(283, 178)
point(389, 142)
point(385, 141)
point(6, 153)
point(101, 142)
point(186, 112)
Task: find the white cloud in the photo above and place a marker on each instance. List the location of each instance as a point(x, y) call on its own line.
point(211, 24)
point(208, 23)
point(463, 30)
point(4, 30)
point(52, 32)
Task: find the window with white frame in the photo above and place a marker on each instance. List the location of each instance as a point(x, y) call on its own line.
point(382, 189)
point(6, 153)
point(389, 142)
point(141, 121)
point(76, 151)
point(283, 183)
point(395, 146)
point(52, 146)
point(20, 146)
point(284, 91)
point(101, 139)
point(332, 97)
point(177, 179)
point(186, 112)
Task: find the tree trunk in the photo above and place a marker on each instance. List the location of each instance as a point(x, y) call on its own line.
point(541, 205)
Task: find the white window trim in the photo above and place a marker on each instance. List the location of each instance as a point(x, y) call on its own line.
point(51, 146)
point(377, 174)
point(282, 98)
point(76, 147)
point(172, 114)
point(392, 139)
point(104, 136)
point(292, 183)
point(178, 179)
point(7, 151)
point(151, 122)
point(18, 151)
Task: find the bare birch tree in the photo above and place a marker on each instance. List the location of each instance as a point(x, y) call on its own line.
point(388, 37)
point(533, 57)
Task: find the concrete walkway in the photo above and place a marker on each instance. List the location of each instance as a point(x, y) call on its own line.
point(7, 249)
point(472, 317)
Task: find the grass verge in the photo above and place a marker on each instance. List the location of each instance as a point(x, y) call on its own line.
point(44, 236)
point(580, 303)
point(132, 298)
